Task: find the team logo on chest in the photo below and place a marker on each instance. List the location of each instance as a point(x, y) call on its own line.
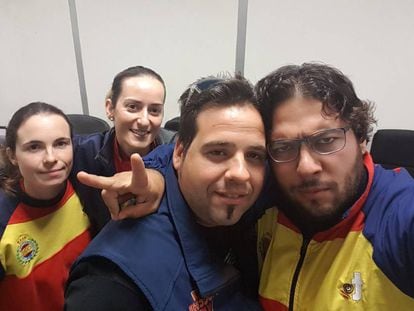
point(200, 304)
point(27, 249)
point(353, 290)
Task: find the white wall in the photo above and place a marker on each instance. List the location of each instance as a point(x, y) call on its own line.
point(371, 41)
point(181, 40)
point(37, 61)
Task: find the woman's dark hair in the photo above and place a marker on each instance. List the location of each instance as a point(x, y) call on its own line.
point(320, 82)
point(136, 71)
point(211, 92)
point(10, 174)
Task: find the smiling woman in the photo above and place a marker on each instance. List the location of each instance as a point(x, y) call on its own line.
point(135, 105)
point(42, 226)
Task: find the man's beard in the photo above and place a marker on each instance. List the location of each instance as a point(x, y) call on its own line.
point(230, 211)
point(312, 222)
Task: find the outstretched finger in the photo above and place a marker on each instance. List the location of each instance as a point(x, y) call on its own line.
point(91, 180)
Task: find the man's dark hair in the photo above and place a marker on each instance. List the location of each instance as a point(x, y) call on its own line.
point(207, 93)
point(319, 82)
point(136, 71)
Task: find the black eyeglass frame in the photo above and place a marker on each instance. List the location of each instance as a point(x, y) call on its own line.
point(308, 142)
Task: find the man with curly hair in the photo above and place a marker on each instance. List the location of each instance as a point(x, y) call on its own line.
point(342, 237)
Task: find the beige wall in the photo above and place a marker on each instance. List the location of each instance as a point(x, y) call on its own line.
point(371, 41)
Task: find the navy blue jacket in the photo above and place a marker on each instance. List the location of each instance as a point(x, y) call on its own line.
point(167, 256)
point(94, 154)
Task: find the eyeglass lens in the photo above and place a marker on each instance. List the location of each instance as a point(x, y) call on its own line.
point(323, 142)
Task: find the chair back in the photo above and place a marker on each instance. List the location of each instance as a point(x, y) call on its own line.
point(86, 124)
point(2, 135)
point(173, 124)
point(394, 148)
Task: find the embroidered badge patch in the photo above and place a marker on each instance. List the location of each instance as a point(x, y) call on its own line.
point(354, 289)
point(200, 304)
point(27, 249)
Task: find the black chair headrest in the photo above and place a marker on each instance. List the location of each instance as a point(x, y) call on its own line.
point(393, 148)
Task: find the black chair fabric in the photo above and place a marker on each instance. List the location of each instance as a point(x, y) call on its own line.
point(394, 148)
point(173, 124)
point(2, 135)
point(85, 124)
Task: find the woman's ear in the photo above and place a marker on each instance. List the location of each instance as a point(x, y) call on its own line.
point(12, 156)
point(109, 108)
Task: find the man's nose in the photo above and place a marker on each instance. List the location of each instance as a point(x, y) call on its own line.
point(238, 169)
point(308, 162)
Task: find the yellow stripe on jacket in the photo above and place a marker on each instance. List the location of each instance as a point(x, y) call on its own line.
point(49, 234)
point(338, 274)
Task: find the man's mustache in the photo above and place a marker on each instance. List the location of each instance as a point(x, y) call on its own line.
point(313, 183)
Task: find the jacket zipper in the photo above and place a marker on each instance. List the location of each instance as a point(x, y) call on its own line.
point(303, 250)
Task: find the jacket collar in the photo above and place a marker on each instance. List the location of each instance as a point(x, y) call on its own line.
point(210, 275)
point(106, 153)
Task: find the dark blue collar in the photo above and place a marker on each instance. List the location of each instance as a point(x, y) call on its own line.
point(210, 274)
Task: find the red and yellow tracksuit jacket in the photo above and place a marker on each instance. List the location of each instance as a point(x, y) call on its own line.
point(39, 241)
point(365, 262)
